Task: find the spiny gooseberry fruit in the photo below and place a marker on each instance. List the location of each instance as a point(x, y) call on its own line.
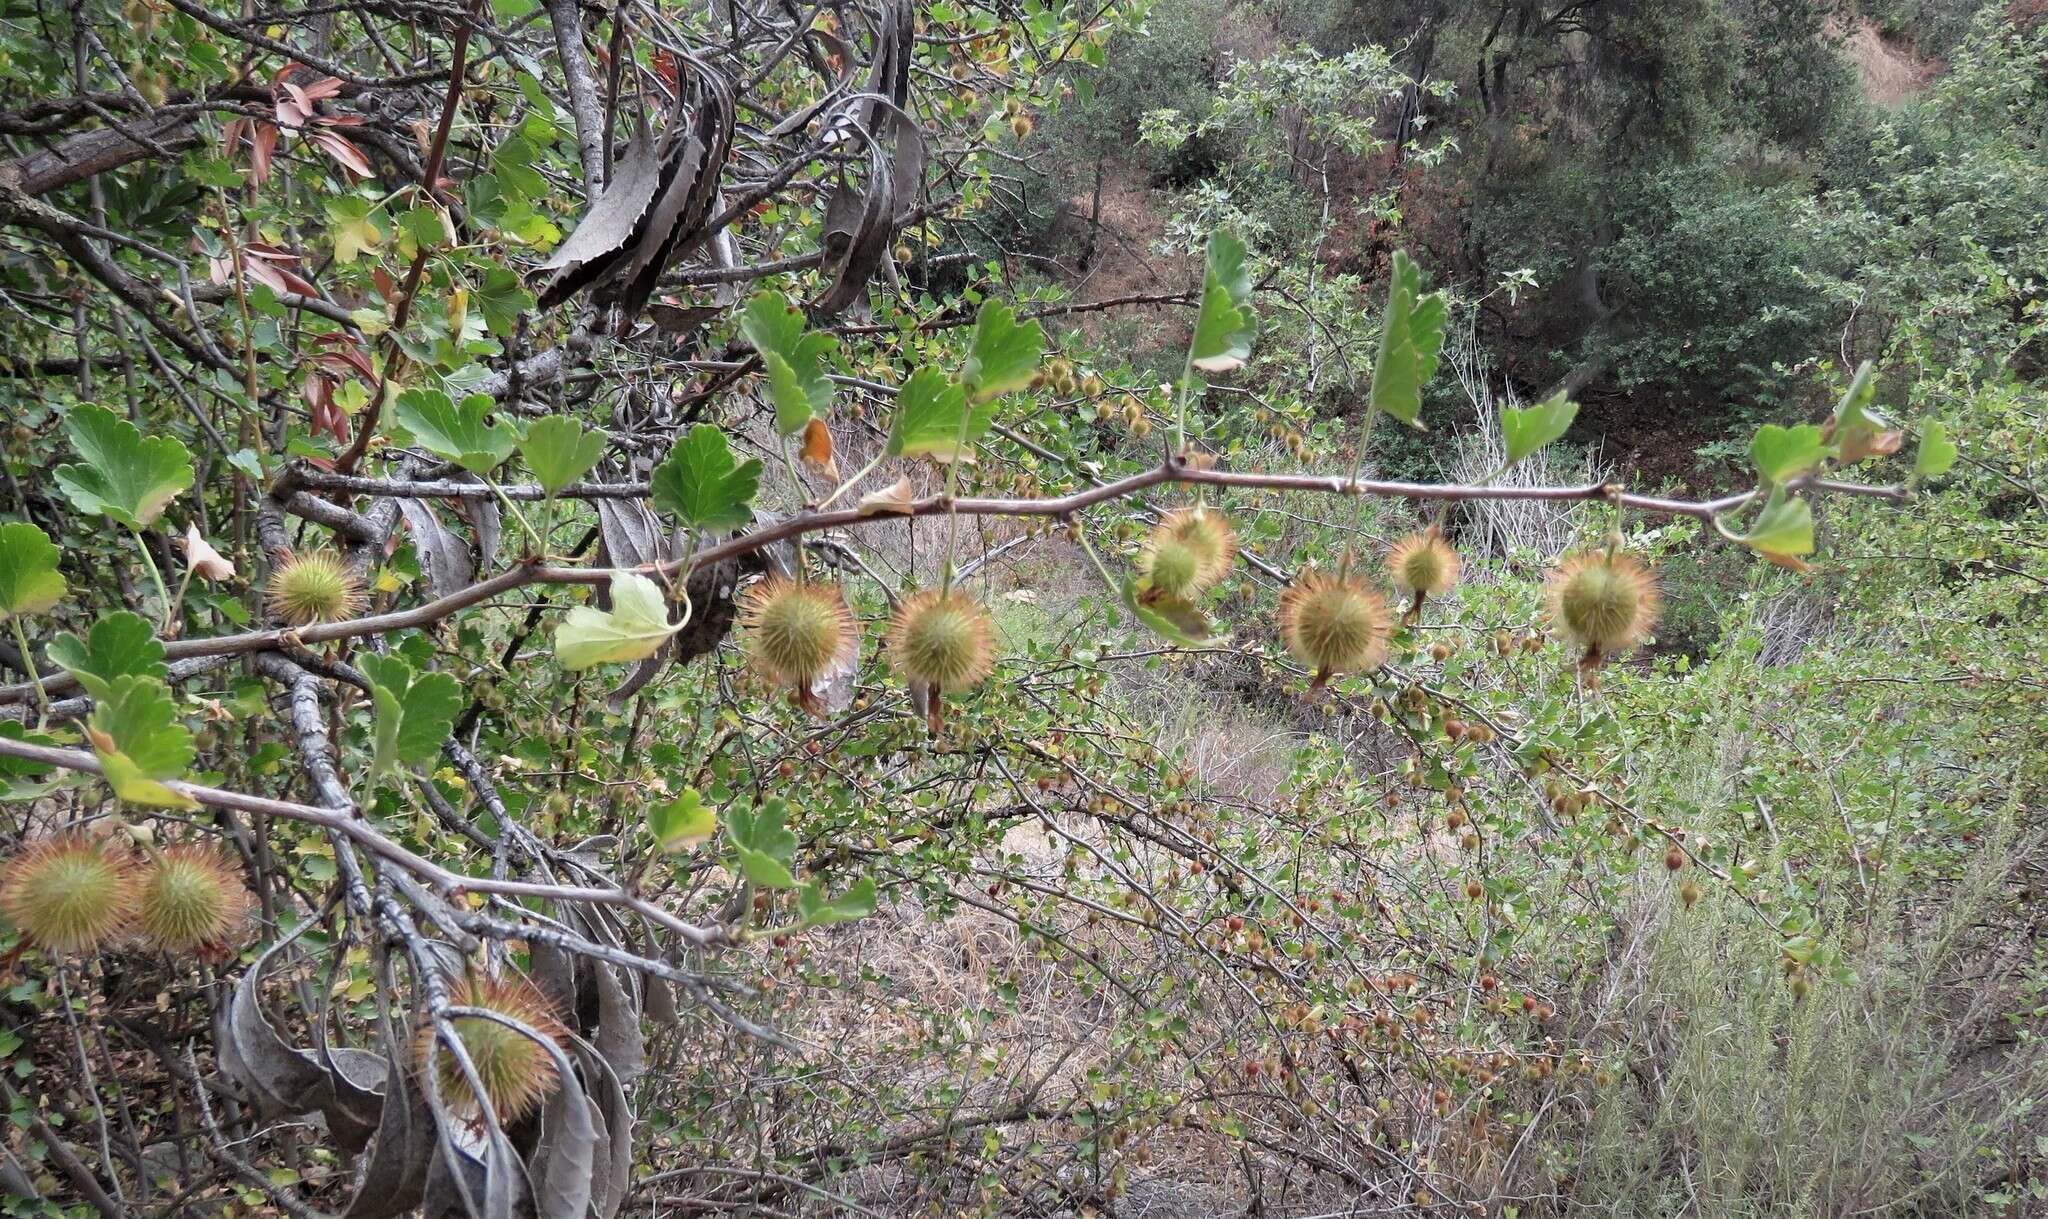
point(68, 894)
point(314, 586)
point(1188, 551)
point(1604, 602)
point(1423, 565)
point(189, 899)
point(517, 1072)
point(1334, 624)
point(944, 639)
point(798, 633)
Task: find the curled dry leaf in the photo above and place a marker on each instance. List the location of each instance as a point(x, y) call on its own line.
point(896, 497)
point(206, 562)
point(817, 450)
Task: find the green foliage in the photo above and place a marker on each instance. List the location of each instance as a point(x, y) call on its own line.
point(1224, 325)
point(817, 910)
point(121, 474)
point(559, 451)
point(762, 846)
point(463, 434)
point(1004, 355)
point(933, 419)
point(121, 644)
point(1782, 453)
point(413, 712)
point(29, 580)
point(793, 358)
point(701, 484)
point(140, 743)
point(681, 823)
point(1411, 336)
point(1783, 530)
point(633, 629)
point(1526, 429)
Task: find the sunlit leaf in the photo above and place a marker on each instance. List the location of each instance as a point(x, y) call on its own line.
point(1937, 452)
point(792, 357)
point(1224, 326)
point(122, 475)
point(933, 419)
point(140, 743)
point(1782, 454)
point(352, 228)
point(413, 712)
point(1411, 336)
point(121, 644)
point(463, 434)
point(29, 580)
point(559, 451)
point(1783, 531)
point(1004, 355)
point(1529, 428)
point(683, 822)
point(703, 485)
point(817, 910)
point(633, 629)
point(762, 846)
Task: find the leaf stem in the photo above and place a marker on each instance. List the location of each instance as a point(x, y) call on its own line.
point(537, 543)
point(28, 662)
point(163, 596)
point(848, 485)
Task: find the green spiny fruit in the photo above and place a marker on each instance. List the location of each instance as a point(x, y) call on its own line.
point(69, 893)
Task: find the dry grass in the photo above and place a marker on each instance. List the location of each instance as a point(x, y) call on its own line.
point(1892, 74)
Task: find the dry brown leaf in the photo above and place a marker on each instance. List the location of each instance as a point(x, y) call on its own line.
point(896, 497)
point(206, 562)
point(817, 450)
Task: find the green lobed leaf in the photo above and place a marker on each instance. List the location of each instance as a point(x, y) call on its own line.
point(1411, 337)
point(29, 580)
point(123, 475)
point(140, 743)
point(1004, 355)
point(1784, 453)
point(633, 629)
point(1856, 430)
point(682, 823)
point(122, 644)
point(1937, 452)
point(559, 451)
point(703, 485)
point(462, 434)
point(793, 358)
point(1529, 428)
point(414, 712)
point(763, 847)
point(933, 419)
point(817, 910)
point(1224, 327)
point(1783, 531)
point(14, 770)
point(501, 298)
